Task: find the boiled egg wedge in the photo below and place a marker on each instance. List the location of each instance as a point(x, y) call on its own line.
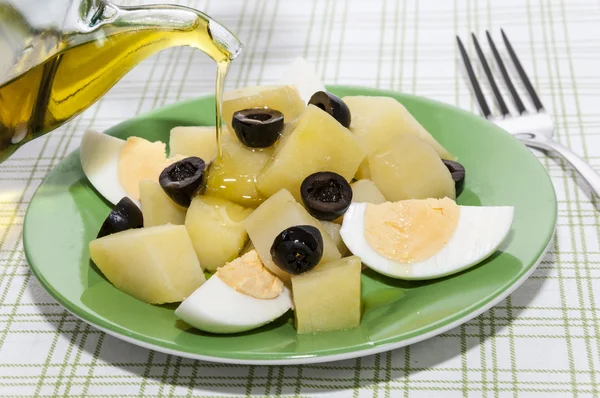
point(99, 154)
point(240, 296)
point(424, 239)
point(115, 167)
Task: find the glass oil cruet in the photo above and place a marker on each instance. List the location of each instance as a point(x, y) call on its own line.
point(58, 57)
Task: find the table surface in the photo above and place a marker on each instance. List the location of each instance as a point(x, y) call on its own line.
point(540, 341)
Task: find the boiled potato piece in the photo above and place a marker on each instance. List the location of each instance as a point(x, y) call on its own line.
point(377, 120)
point(363, 172)
point(285, 99)
point(157, 207)
point(274, 215)
point(233, 176)
point(328, 297)
point(318, 142)
point(366, 191)
point(249, 247)
point(156, 265)
point(333, 230)
point(409, 168)
point(217, 231)
point(200, 141)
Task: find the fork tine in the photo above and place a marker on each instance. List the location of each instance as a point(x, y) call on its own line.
point(522, 74)
point(490, 77)
point(505, 75)
point(485, 109)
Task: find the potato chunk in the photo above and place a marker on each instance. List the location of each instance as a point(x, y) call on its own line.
point(363, 172)
point(277, 213)
point(233, 176)
point(157, 207)
point(366, 191)
point(217, 231)
point(156, 265)
point(200, 141)
point(317, 143)
point(285, 99)
point(328, 297)
point(333, 229)
point(377, 119)
point(409, 168)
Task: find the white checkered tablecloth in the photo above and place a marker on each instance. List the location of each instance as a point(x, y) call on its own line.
point(540, 342)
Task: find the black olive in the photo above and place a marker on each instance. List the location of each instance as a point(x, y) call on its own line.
point(297, 249)
point(457, 171)
point(257, 127)
point(125, 215)
point(326, 195)
point(183, 179)
point(332, 105)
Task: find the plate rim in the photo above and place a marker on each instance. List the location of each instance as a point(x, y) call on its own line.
point(307, 360)
point(292, 359)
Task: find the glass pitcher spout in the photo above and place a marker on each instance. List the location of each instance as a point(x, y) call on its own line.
point(57, 63)
point(186, 26)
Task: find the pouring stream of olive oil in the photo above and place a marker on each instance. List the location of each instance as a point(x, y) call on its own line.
point(222, 68)
point(46, 96)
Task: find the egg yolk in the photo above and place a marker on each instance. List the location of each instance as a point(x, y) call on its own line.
point(248, 275)
point(140, 160)
point(410, 231)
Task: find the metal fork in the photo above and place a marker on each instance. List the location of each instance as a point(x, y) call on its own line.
point(534, 129)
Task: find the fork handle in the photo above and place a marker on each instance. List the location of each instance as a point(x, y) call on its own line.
point(585, 170)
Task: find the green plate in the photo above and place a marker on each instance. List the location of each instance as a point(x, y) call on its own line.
point(66, 213)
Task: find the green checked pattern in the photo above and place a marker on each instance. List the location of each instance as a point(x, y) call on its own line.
point(542, 341)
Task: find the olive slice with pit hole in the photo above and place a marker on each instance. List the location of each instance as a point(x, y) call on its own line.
point(326, 195)
point(297, 249)
point(125, 215)
point(333, 105)
point(183, 179)
point(257, 127)
point(457, 171)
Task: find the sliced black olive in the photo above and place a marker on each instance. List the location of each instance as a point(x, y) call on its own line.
point(458, 174)
point(297, 249)
point(257, 127)
point(332, 105)
point(125, 215)
point(326, 195)
point(182, 180)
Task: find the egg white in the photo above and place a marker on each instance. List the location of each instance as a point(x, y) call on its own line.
point(99, 154)
point(218, 308)
point(479, 232)
point(304, 76)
